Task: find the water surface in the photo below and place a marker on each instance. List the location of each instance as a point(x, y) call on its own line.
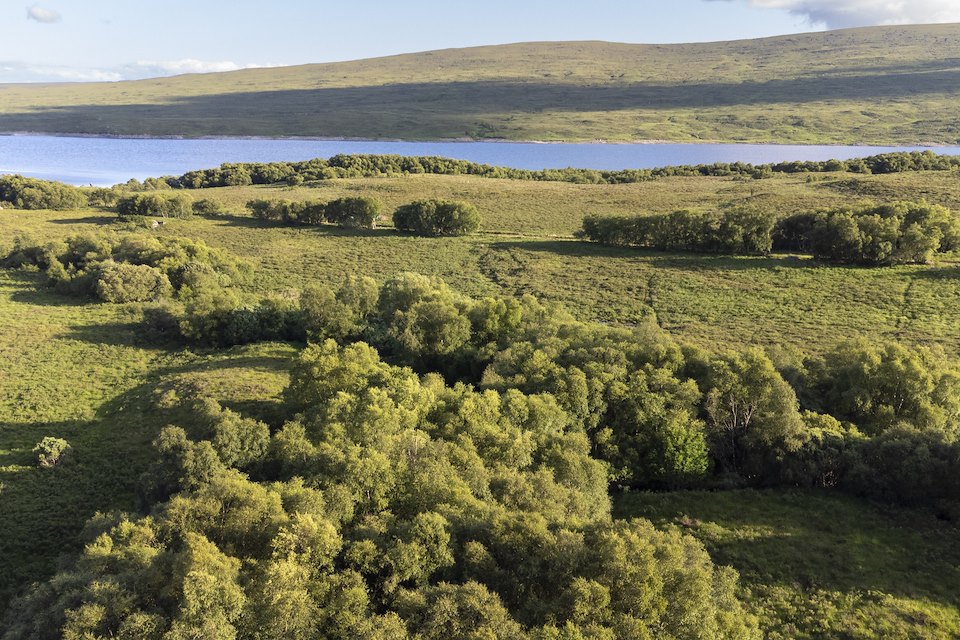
point(107, 161)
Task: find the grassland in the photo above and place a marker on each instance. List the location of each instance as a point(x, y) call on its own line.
point(820, 565)
point(874, 85)
point(526, 246)
point(816, 566)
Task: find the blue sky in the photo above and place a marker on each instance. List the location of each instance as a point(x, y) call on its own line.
point(123, 39)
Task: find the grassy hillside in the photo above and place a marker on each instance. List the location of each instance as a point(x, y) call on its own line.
point(873, 85)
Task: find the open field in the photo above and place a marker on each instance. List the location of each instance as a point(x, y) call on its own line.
point(881, 85)
point(820, 565)
point(526, 246)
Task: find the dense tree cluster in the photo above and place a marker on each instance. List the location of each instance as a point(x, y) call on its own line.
point(387, 505)
point(737, 231)
point(359, 166)
point(437, 218)
point(895, 233)
point(424, 217)
point(30, 193)
point(164, 205)
point(659, 414)
point(131, 267)
point(350, 212)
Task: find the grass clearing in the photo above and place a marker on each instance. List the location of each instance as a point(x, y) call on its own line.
point(822, 565)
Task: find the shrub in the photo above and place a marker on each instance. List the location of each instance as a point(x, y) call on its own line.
point(437, 218)
point(52, 451)
point(165, 205)
point(30, 193)
point(207, 207)
point(132, 283)
point(354, 213)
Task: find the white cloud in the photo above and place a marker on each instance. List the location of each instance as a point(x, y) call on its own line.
point(22, 72)
point(13, 71)
point(187, 65)
point(858, 13)
point(40, 14)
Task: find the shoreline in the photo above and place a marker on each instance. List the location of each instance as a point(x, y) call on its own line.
point(464, 140)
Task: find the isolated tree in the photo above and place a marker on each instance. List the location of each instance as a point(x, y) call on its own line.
point(437, 218)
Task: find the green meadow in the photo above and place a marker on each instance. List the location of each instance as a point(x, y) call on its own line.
point(812, 564)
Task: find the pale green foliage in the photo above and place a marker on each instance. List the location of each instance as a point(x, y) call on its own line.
point(132, 283)
point(52, 451)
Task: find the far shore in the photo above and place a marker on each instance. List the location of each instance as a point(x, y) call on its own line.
point(111, 136)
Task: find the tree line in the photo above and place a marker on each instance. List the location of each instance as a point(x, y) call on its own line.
point(360, 166)
point(894, 233)
point(431, 217)
point(31, 193)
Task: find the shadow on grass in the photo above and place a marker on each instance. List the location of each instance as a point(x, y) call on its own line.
point(98, 220)
point(660, 259)
point(816, 539)
point(456, 106)
point(42, 511)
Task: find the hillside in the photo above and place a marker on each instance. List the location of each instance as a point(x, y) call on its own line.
point(895, 85)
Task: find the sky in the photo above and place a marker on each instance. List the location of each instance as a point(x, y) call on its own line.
point(81, 40)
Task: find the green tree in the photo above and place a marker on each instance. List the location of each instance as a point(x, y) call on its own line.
point(437, 218)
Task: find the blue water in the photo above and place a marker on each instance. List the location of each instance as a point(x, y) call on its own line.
point(107, 161)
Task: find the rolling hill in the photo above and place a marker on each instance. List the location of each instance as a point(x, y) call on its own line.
point(896, 85)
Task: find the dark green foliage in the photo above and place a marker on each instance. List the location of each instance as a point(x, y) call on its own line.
point(354, 213)
point(437, 218)
point(287, 212)
point(164, 205)
point(52, 451)
point(356, 166)
point(207, 207)
point(30, 193)
point(896, 233)
point(130, 268)
point(126, 282)
point(734, 231)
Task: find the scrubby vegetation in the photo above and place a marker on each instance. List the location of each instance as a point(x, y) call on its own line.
point(30, 193)
point(344, 448)
point(437, 218)
point(897, 233)
point(165, 205)
point(129, 268)
point(365, 166)
point(351, 213)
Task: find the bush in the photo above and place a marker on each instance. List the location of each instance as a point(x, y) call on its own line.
point(207, 207)
point(30, 193)
point(52, 451)
point(437, 218)
point(132, 283)
point(354, 213)
point(895, 233)
point(165, 205)
point(736, 231)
